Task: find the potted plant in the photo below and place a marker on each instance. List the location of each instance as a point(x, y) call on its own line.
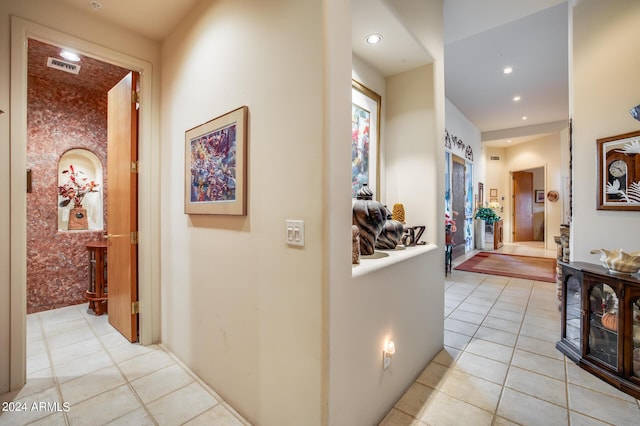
point(75, 189)
point(485, 218)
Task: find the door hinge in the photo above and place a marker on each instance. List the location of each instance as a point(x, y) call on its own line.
point(134, 166)
point(135, 307)
point(134, 237)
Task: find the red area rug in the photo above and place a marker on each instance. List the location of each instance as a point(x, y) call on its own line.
point(511, 265)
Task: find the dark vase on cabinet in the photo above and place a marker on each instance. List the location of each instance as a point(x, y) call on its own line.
point(601, 323)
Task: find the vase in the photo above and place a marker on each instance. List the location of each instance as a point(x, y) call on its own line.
point(78, 219)
point(369, 216)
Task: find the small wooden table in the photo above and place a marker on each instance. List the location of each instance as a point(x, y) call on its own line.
point(97, 291)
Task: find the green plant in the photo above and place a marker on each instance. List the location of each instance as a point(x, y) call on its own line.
point(487, 214)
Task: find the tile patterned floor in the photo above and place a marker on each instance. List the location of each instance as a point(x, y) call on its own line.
point(90, 375)
point(500, 366)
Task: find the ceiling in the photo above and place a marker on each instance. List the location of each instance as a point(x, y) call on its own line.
point(481, 37)
point(94, 75)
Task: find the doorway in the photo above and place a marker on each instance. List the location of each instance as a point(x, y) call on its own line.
point(66, 123)
point(528, 189)
point(148, 196)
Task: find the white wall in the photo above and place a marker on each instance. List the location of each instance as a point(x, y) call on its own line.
point(239, 307)
point(403, 301)
point(543, 152)
point(604, 88)
point(85, 27)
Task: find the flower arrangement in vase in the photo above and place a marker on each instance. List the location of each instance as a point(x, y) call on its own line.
point(450, 227)
point(75, 189)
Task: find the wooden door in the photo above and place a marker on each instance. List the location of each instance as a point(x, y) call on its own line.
point(523, 206)
point(122, 206)
point(458, 188)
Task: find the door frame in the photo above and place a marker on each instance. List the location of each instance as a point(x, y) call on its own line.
point(148, 184)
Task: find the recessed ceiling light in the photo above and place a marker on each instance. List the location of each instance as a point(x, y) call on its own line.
point(509, 141)
point(516, 98)
point(70, 56)
point(524, 117)
point(507, 70)
point(373, 38)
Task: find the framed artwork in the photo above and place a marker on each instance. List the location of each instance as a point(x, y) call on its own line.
point(365, 138)
point(493, 193)
point(480, 194)
point(618, 159)
point(215, 165)
point(539, 195)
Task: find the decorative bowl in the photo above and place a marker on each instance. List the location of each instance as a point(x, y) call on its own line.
point(618, 261)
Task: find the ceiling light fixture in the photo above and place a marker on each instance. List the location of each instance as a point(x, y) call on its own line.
point(70, 56)
point(507, 70)
point(524, 117)
point(95, 4)
point(373, 38)
point(516, 98)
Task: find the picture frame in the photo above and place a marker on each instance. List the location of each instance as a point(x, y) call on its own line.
point(539, 195)
point(215, 165)
point(618, 160)
point(365, 138)
point(493, 193)
point(480, 202)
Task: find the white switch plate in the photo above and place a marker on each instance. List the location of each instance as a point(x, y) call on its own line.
point(295, 232)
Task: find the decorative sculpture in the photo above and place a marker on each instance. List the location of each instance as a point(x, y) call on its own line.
point(355, 245)
point(369, 216)
point(398, 212)
point(391, 233)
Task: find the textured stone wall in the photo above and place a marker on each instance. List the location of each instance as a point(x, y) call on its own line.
point(60, 117)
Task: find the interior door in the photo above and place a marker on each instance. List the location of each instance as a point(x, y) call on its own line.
point(457, 204)
point(523, 206)
point(122, 206)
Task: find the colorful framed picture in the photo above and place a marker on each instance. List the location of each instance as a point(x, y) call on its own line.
point(539, 194)
point(618, 159)
point(215, 165)
point(365, 138)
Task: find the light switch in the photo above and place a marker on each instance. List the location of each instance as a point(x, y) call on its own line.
point(295, 232)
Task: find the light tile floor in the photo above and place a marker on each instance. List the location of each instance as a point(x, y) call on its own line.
point(80, 371)
point(500, 365)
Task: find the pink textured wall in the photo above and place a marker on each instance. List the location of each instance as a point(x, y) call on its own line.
point(59, 118)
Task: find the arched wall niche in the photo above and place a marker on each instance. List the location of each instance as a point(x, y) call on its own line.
point(87, 168)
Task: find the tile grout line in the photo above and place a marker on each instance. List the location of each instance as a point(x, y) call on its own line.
point(45, 340)
point(126, 379)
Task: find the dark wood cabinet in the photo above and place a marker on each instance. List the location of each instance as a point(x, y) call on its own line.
point(601, 323)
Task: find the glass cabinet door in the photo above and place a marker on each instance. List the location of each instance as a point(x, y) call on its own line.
point(573, 308)
point(636, 337)
point(603, 324)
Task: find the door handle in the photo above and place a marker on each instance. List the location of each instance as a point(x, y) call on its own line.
point(109, 236)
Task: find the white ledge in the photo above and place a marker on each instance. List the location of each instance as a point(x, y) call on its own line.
point(385, 258)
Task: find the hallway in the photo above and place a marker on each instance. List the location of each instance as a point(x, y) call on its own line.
point(500, 365)
point(79, 359)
